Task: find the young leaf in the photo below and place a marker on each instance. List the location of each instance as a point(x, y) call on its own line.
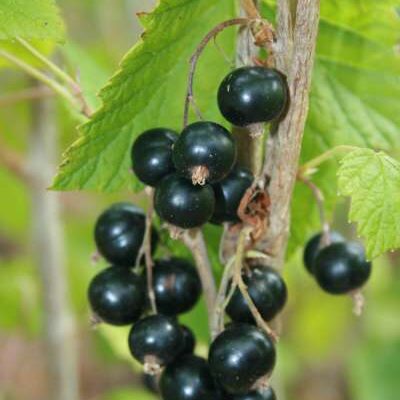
point(372, 179)
point(33, 19)
point(148, 91)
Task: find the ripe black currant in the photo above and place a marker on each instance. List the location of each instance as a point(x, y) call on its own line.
point(150, 381)
point(250, 95)
point(189, 341)
point(152, 155)
point(228, 194)
point(240, 356)
point(342, 267)
point(156, 340)
point(259, 394)
point(117, 296)
point(188, 378)
point(204, 152)
point(180, 203)
point(177, 286)
point(314, 245)
point(119, 233)
point(268, 291)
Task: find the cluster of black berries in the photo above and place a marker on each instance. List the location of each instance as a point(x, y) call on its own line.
point(339, 266)
point(196, 180)
point(194, 173)
point(118, 296)
point(239, 357)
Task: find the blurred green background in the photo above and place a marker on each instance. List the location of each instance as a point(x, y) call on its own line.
point(325, 352)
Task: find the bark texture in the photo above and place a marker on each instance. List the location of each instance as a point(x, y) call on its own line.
point(295, 51)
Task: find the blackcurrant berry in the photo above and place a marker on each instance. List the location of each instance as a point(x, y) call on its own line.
point(189, 341)
point(314, 245)
point(188, 378)
point(342, 267)
point(240, 356)
point(251, 95)
point(180, 203)
point(268, 291)
point(152, 155)
point(228, 194)
point(156, 340)
point(151, 383)
point(259, 394)
point(204, 152)
point(117, 296)
point(177, 286)
point(119, 233)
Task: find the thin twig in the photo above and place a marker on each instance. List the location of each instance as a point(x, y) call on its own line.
point(221, 301)
point(194, 240)
point(250, 9)
point(319, 199)
point(146, 250)
point(49, 64)
point(195, 58)
point(40, 76)
point(225, 56)
point(58, 72)
point(310, 166)
point(358, 302)
point(233, 265)
point(238, 282)
point(254, 311)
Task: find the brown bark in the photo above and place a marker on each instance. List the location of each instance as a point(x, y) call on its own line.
point(295, 52)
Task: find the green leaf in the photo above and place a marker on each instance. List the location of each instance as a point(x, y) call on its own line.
point(33, 19)
point(92, 75)
point(148, 91)
point(372, 179)
point(46, 47)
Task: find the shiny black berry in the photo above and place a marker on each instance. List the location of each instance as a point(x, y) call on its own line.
point(251, 95)
point(156, 340)
point(150, 382)
point(204, 152)
point(314, 245)
point(189, 341)
point(180, 203)
point(119, 233)
point(267, 290)
point(117, 296)
point(228, 194)
point(342, 267)
point(240, 356)
point(152, 155)
point(177, 285)
point(188, 378)
point(259, 394)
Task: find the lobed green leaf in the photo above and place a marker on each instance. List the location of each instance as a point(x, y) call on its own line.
point(30, 20)
point(372, 180)
point(148, 91)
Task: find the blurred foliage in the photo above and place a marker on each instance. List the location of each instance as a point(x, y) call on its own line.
point(354, 101)
point(36, 19)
